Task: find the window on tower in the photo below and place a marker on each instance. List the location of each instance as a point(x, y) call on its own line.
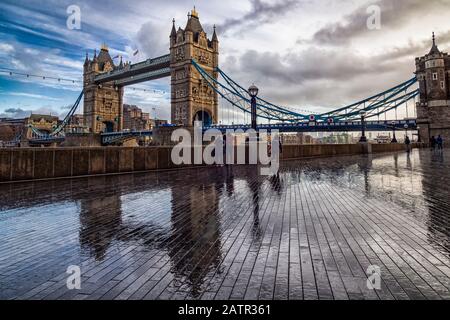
point(442, 85)
point(435, 76)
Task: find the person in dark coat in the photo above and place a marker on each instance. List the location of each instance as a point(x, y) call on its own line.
point(433, 143)
point(408, 144)
point(440, 142)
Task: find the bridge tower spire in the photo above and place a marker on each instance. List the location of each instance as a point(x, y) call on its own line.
point(192, 98)
point(433, 108)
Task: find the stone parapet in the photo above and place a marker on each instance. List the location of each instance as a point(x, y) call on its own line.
point(20, 164)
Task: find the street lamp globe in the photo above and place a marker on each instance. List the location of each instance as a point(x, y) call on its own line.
point(253, 91)
point(406, 126)
point(362, 113)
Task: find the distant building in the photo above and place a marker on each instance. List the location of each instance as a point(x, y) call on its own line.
point(299, 138)
point(76, 125)
point(7, 132)
point(10, 129)
point(336, 138)
point(43, 123)
point(136, 120)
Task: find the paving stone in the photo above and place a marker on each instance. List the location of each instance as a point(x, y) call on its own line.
point(311, 232)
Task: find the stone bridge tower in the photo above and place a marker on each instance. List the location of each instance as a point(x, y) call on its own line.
point(192, 98)
point(433, 108)
point(103, 103)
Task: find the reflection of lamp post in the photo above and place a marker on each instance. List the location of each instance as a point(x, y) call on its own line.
point(406, 129)
point(394, 139)
point(253, 92)
point(363, 138)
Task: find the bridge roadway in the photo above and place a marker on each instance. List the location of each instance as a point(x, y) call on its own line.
point(150, 69)
point(218, 233)
point(353, 126)
point(342, 126)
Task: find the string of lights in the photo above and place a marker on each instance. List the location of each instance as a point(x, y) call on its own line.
point(12, 73)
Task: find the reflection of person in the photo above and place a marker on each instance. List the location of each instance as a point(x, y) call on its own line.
point(432, 143)
point(440, 142)
point(224, 149)
point(408, 144)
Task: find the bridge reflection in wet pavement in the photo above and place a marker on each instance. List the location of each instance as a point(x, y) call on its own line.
point(228, 233)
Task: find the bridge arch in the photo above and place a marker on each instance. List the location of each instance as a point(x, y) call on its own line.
point(108, 126)
point(204, 116)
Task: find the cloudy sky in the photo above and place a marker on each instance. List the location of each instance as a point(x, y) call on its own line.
point(305, 54)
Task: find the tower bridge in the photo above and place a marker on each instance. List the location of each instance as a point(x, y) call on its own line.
point(198, 84)
point(192, 99)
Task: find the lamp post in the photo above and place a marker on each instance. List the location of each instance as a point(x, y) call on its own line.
point(253, 92)
point(419, 140)
point(406, 129)
point(363, 138)
point(394, 139)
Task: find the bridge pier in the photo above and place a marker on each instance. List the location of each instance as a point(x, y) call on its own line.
point(367, 147)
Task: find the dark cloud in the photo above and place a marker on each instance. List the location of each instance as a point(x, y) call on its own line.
point(415, 49)
point(18, 113)
point(13, 110)
point(15, 113)
point(261, 12)
point(153, 39)
point(393, 14)
point(309, 65)
point(322, 77)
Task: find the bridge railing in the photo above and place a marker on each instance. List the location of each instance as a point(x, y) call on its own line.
point(384, 125)
point(114, 137)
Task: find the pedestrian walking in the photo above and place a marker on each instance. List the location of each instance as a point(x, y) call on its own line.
point(408, 144)
point(433, 143)
point(440, 143)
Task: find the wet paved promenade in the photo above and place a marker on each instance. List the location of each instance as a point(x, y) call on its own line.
point(228, 233)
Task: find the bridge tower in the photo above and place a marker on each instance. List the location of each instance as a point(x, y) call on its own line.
point(192, 99)
point(103, 103)
point(433, 108)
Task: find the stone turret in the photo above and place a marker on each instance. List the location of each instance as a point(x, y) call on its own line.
point(433, 108)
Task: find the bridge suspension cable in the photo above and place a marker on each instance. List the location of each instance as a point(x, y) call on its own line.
point(12, 72)
point(373, 106)
point(59, 130)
